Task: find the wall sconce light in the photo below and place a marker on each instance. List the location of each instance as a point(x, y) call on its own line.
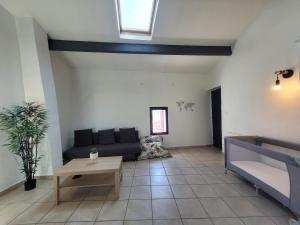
point(285, 74)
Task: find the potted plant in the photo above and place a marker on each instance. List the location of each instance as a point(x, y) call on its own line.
point(26, 126)
point(94, 153)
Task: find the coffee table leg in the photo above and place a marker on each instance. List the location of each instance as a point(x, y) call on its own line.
point(121, 171)
point(56, 189)
point(117, 184)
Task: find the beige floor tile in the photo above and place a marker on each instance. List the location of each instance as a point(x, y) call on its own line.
point(128, 165)
point(216, 207)
point(195, 179)
point(280, 220)
point(161, 192)
point(172, 171)
point(141, 180)
point(197, 222)
point(51, 224)
point(165, 209)
point(267, 207)
point(203, 170)
point(258, 221)
point(177, 179)
point(244, 189)
point(47, 198)
point(182, 191)
point(190, 208)
point(157, 172)
point(33, 214)
point(188, 170)
point(138, 222)
point(79, 223)
point(87, 211)
point(97, 194)
point(229, 179)
point(139, 210)
point(140, 192)
point(11, 211)
point(113, 210)
point(126, 182)
point(212, 179)
point(159, 180)
point(167, 222)
point(155, 164)
point(19, 195)
point(225, 190)
point(61, 212)
point(124, 194)
point(141, 172)
point(242, 207)
point(128, 172)
point(227, 221)
point(73, 194)
point(109, 223)
point(203, 191)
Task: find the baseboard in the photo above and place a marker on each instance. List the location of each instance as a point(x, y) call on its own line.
point(20, 183)
point(189, 147)
point(12, 187)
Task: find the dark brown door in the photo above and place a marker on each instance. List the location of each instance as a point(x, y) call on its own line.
point(216, 117)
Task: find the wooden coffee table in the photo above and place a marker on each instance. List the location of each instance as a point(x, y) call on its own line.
point(104, 171)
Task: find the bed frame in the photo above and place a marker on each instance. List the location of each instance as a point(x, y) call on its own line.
point(271, 165)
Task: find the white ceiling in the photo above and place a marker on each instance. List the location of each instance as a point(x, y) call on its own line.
point(203, 22)
point(152, 63)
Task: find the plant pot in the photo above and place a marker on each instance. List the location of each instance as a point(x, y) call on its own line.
point(93, 156)
point(30, 184)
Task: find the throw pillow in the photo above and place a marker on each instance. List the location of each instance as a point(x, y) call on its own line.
point(83, 137)
point(127, 135)
point(106, 137)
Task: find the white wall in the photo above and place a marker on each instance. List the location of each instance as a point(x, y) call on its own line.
point(249, 104)
point(39, 87)
point(62, 78)
point(114, 99)
point(11, 92)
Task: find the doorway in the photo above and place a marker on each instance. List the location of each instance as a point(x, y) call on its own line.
point(216, 115)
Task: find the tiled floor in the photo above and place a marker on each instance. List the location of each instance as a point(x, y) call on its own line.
point(188, 189)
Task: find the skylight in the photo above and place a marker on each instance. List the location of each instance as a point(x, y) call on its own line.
point(136, 18)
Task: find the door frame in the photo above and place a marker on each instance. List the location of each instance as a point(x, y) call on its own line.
point(210, 115)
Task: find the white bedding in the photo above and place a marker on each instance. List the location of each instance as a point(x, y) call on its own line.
point(274, 177)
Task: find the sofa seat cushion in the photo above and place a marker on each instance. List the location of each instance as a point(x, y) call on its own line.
point(116, 149)
point(119, 149)
point(78, 152)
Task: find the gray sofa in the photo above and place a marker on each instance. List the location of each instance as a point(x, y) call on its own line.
point(118, 145)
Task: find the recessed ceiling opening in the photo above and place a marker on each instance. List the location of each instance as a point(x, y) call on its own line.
point(136, 18)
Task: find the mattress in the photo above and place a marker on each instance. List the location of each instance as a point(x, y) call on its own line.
point(272, 176)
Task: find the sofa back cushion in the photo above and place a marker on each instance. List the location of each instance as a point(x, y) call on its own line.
point(83, 137)
point(106, 137)
point(127, 135)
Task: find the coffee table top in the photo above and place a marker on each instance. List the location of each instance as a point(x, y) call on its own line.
point(88, 166)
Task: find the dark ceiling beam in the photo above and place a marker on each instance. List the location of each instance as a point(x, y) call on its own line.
point(126, 48)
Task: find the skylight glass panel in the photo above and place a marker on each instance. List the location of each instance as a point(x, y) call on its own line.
point(136, 16)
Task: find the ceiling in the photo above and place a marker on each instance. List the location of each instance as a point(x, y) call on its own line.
point(192, 22)
point(152, 63)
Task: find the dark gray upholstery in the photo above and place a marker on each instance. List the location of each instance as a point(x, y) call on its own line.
point(127, 135)
point(106, 137)
point(83, 137)
point(129, 151)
